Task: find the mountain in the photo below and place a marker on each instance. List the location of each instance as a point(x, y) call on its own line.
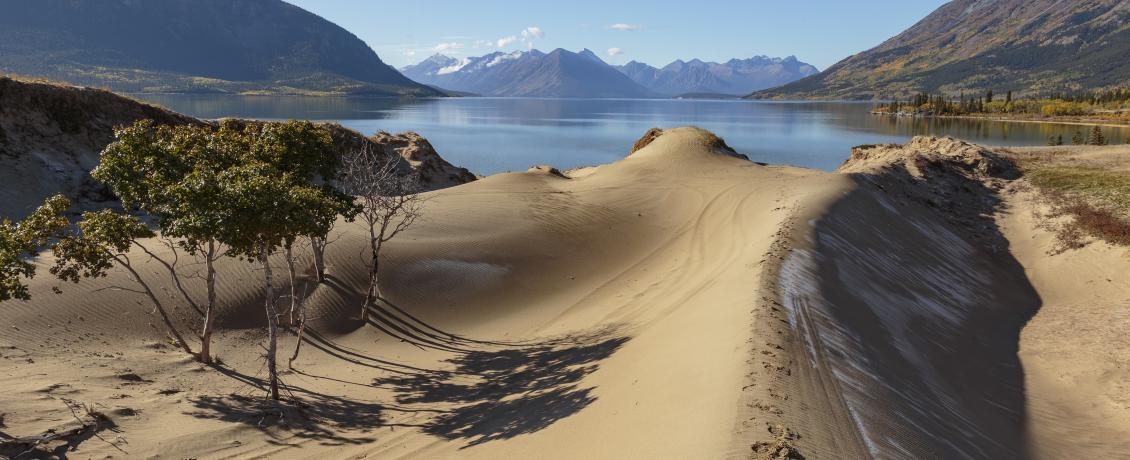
point(736, 76)
point(1031, 47)
point(239, 46)
point(533, 73)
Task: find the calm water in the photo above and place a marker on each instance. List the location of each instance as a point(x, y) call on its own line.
point(490, 135)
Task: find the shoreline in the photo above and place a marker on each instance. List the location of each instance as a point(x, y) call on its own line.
point(1056, 121)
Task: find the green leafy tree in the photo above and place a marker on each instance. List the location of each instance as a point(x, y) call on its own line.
point(22, 241)
point(172, 174)
point(278, 193)
point(1097, 137)
point(104, 241)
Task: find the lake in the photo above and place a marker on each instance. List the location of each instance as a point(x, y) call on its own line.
point(490, 135)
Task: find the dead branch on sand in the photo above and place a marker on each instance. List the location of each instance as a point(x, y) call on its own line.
point(89, 425)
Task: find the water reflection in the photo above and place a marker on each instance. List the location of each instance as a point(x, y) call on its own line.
point(490, 135)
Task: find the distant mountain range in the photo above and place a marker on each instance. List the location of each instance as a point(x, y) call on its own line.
point(562, 73)
point(735, 77)
point(1025, 46)
point(559, 73)
point(234, 46)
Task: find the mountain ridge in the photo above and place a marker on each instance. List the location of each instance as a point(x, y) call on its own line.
point(735, 76)
point(224, 46)
point(533, 73)
point(1030, 47)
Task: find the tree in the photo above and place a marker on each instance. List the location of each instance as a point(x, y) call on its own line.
point(171, 174)
point(390, 203)
point(278, 192)
point(989, 96)
point(1008, 97)
point(21, 241)
point(1097, 137)
point(104, 241)
point(1077, 139)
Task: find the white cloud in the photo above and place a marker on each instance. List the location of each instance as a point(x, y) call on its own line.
point(483, 44)
point(448, 47)
point(532, 33)
point(506, 41)
point(409, 53)
point(625, 27)
point(615, 51)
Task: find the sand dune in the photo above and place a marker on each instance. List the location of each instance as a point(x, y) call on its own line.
point(680, 303)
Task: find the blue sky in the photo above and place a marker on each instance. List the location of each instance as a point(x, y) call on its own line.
point(820, 32)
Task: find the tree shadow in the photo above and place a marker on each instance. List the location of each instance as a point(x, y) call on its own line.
point(500, 394)
point(305, 414)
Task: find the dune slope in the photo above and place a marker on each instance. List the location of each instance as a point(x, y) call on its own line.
point(529, 314)
point(680, 303)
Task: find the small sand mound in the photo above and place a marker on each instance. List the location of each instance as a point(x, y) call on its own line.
point(547, 171)
point(691, 138)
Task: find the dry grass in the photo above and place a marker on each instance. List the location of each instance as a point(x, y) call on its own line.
point(1105, 188)
point(1096, 201)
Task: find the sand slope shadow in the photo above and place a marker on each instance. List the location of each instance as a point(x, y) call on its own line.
point(909, 308)
point(500, 394)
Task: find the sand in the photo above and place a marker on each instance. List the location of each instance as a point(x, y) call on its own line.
point(680, 303)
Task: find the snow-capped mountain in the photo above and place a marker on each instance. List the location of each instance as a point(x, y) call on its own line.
point(532, 73)
point(736, 76)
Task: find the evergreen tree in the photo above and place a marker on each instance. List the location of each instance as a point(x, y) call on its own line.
point(1008, 97)
point(989, 96)
point(1059, 140)
point(1097, 137)
point(1077, 139)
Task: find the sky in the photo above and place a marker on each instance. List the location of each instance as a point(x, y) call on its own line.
point(819, 32)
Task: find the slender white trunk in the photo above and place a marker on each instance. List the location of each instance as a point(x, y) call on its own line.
point(293, 284)
point(209, 309)
point(272, 324)
point(318, 246)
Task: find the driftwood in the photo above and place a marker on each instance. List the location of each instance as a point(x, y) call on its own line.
point(32, 446)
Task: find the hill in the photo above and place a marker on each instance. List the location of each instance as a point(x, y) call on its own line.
point(1030, 47)
point(230, 46)
point(51, 136)
point(559, 73)
point(735, 77)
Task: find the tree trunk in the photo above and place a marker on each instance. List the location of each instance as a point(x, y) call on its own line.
point(293, 282)
point(160, 307)
point(272, 324)
point(301, 332)
point(209, 309)
point(318, 246)
point(375, 248)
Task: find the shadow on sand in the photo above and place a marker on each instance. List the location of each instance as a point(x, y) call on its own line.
point(504, 393)
point(305, 414)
